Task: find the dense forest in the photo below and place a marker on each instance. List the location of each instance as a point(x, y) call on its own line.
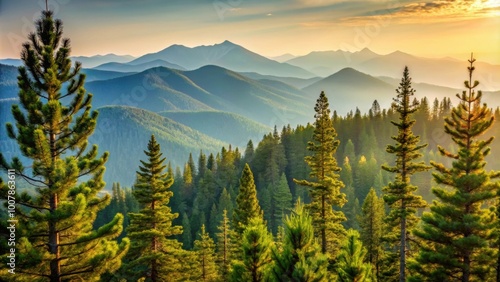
point(408, 193)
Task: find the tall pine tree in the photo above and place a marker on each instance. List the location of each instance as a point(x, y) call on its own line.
point(152, 254)
point(247, 205)
point(399, 194)
point(55, 237)
point(457, 230)
point(325, 191)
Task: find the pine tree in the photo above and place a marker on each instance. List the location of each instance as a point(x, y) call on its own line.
point(457, 231)
point(256, 245)
point(399, 195)
point(282, 198)
point(226, 248)
point(372, 228)
point(187, 236)
point(350, 263)
point(205, 253)
point(152, 254)
point(247, 205)
point(55, 235)
point(301, 258)
point(325, 192)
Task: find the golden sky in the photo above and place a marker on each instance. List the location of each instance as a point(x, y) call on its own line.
point(438, 28)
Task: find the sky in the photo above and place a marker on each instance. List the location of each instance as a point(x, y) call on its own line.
point(428, 28)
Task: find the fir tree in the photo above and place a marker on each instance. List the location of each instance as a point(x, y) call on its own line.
point(55, 235)
point(247, 205)
point(300, 258)
point(187, 235)
point(152, 254)
point(325, 192)
point(350, 263)
point(372, 228)
point(256, 246)
point(282, 198)
point(205, 253)
point(399, 195)
point(226, 248)
point(458, 229)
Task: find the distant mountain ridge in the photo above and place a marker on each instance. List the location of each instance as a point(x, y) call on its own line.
point(225, 54)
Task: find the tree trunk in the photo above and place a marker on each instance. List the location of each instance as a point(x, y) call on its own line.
point(55, 263)
point(323, 227)
point(402, 248)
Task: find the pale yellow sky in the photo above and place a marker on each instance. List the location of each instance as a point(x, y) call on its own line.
point(423, 28)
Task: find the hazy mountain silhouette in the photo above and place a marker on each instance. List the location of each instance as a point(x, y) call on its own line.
point(225, 54)
point(134, 67)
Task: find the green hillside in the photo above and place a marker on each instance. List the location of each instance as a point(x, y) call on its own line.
point(124, 131)
point(228, 127)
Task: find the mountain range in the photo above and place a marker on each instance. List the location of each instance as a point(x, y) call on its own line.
point(206, 97)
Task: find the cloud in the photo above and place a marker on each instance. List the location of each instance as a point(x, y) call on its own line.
point(434, 11)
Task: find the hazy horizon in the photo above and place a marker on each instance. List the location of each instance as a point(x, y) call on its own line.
point(432, 29)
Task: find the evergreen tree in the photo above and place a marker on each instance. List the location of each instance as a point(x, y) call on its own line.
point(55, 235)
point(325, 192)
point(300, 258)
point(458, 229)
point(372, 228)
point(205, 253)
point(247, 205)
point(226, 248)
point(399, 195)
point(282, 198)
point(225, 203)
point(249, 152)
point(256, 245)
point(187, 235)
point(350, 263)
point(152, 255)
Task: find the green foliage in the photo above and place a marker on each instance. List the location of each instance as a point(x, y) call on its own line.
point(152, 255)
point(282, 199)
point(53, 122)
point(300, 258)
point(325, 192)
point(227, 247)
point(400, 194)
point(247, 205)
point(256, 246)
point(457, 232)
point(372, 228)
point(350, 262)
point(205, 253)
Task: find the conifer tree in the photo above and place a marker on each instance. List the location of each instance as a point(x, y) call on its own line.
point(55, 236)
point(372, 228)
point(399, 194)
point(152, 254)
point(187, 234)
point(300, 258)
point(256, 246)
point(325, 191)
point(205, 253)
point(226, 247)
point(350, 263)
point(247, 205)
point(458, 229)
point(282, 198)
